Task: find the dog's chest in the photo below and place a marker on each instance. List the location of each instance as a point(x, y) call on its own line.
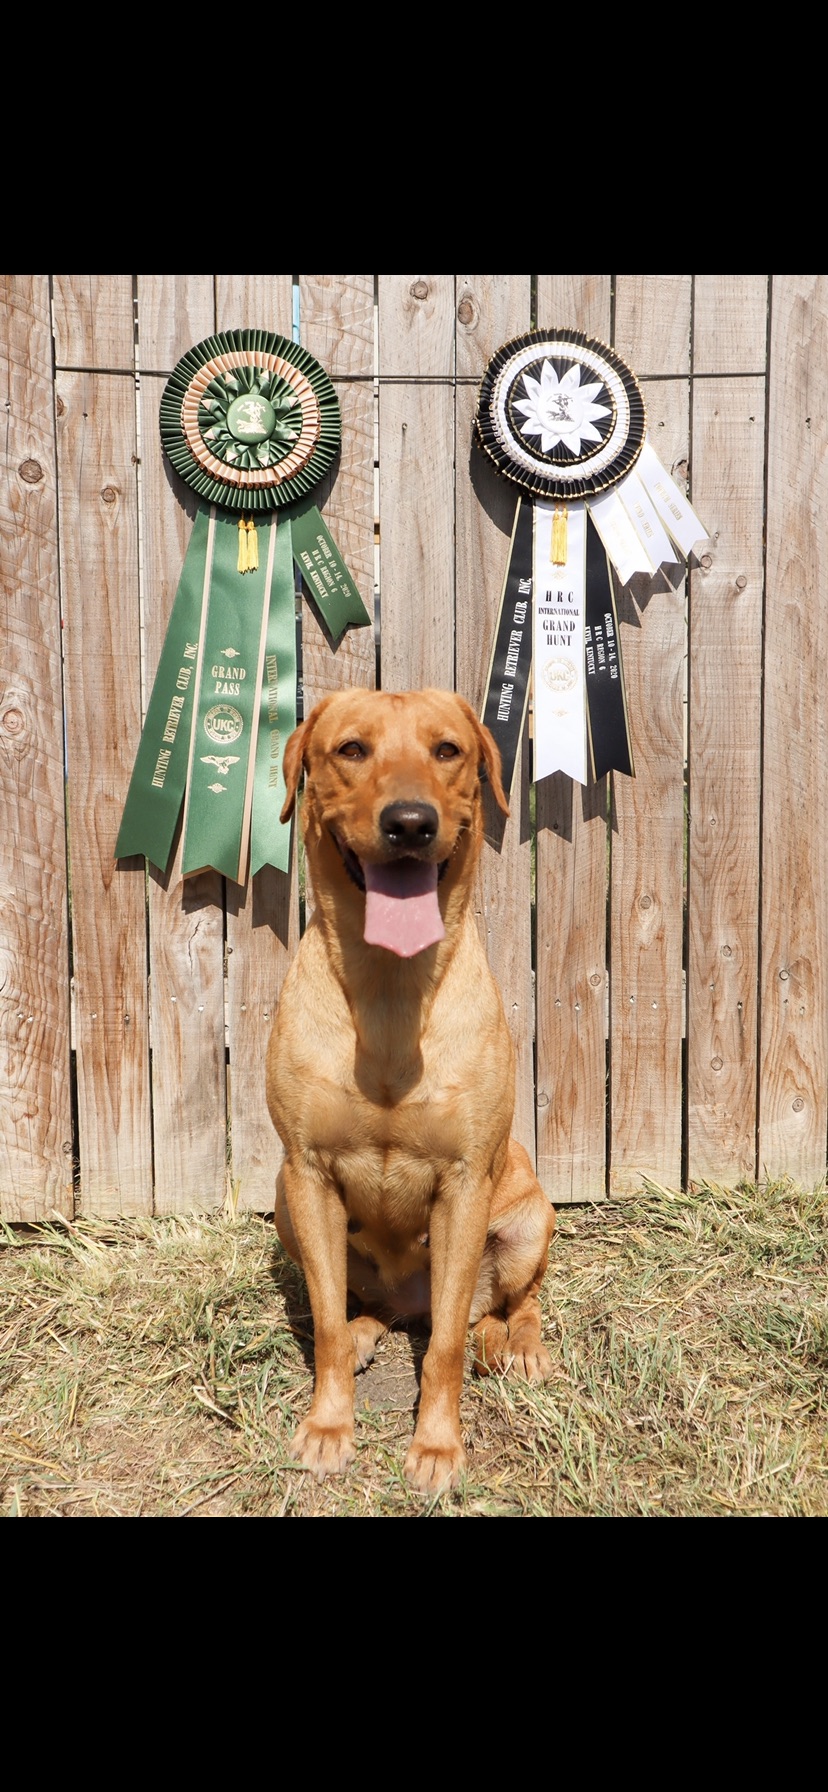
point(388, 1146)
point(390, 1097)
point(390, 1142)
point(393, 1188)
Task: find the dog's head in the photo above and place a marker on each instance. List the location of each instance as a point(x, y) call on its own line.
point(392, 805)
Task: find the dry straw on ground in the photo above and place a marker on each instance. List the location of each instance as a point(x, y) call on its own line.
point(157, 1368)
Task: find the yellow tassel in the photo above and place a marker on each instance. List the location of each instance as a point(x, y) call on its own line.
point(241, 565)
point(559, 536)
point(252, 546)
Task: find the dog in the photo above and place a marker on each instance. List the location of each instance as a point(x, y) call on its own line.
point(390, 1075)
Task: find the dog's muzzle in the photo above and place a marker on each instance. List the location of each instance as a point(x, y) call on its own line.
point(402, 912)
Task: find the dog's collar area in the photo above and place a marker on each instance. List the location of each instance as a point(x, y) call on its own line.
point(354, 868)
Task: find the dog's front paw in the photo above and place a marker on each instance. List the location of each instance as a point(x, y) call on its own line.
point(434, 1469)
point(324, 1449)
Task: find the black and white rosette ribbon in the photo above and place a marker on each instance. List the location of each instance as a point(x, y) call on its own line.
point(562, 417)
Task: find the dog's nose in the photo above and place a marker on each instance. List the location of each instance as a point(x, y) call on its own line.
point(409, 824)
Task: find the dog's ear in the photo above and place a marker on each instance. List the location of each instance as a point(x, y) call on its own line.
point(493, 767)
point(490, 768)
point(292, 766)
point(296, 751)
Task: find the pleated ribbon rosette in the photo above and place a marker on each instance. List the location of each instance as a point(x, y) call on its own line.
point(562, 417)
point(251, 422)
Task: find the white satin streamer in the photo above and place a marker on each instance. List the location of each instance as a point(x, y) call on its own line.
point(560, 736)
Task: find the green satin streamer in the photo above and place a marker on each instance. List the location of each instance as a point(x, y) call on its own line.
point(270, 841)
point(224, 698)
point(324, 572)
point(231, 657)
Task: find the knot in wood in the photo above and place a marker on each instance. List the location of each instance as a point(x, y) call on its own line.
point(17, 721)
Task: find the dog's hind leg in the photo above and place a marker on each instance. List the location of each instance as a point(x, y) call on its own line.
point(510, 1341)
point(506, 1313)
point(283, 1222)
point(366, 1332)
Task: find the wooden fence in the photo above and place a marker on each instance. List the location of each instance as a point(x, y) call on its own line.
point(668, 990)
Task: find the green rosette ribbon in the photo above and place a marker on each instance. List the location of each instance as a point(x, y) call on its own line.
point(251, 422)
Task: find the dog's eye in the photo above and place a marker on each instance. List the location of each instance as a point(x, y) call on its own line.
point(352, 749)
point(446, 750)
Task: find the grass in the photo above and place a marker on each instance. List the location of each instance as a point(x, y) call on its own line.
point(159, 1367)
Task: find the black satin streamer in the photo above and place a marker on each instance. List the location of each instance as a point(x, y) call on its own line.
point(609, 740)
point(511, 668)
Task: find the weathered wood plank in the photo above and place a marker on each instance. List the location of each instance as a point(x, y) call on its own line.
point(652, 324)
point(571, 968)
point(99, 570)
point(94, 321)
point(263, 915)
point(186, 916)
point(336, 323)
point(648, 823)
point(730, 323)
point(572, 989)
point(725, 661)
point(175, 311)
point(575, 302)
point(794, 996)
point(35, 1106)
point(416, 479)
point(254, 302)
point(490, 309)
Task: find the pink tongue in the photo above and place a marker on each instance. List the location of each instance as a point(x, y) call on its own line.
point(401, 908)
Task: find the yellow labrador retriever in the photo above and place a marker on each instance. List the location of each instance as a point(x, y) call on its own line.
point(390, 1074)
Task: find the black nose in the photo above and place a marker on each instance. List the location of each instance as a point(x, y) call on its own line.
point(409, 824)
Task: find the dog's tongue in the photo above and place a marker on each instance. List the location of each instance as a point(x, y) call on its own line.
point(401, 908)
